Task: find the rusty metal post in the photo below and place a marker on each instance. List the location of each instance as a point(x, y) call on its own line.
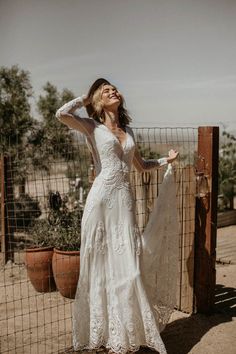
point(7, 212)
point(206, 221)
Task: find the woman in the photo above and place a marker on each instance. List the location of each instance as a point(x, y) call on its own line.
point(113, 307)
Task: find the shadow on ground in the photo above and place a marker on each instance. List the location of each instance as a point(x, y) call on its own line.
point(181, 335)
point(225, 300)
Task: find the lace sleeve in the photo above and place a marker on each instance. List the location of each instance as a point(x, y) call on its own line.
point(143, 165)
point(66, 114)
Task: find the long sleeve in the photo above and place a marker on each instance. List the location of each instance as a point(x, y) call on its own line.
point(66, 115)
point(143, 165)
point(70, 107)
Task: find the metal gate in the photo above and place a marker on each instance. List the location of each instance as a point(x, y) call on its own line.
point(40, 322)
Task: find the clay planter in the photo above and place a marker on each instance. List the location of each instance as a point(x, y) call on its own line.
point(66, 267)
point(38, 263)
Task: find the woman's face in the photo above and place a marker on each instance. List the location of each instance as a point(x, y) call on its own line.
point(110, 97)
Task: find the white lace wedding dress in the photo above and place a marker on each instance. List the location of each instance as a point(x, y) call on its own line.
point(127, 285)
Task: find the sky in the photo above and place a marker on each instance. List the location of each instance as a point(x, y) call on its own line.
point(173, 60)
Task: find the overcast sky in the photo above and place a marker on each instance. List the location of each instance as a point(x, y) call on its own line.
point(174, 60)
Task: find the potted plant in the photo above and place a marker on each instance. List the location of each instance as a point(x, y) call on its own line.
point(38, 256)
point(66, 256)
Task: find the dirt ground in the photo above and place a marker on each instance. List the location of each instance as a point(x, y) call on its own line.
point(33, 323)
point(214, 334)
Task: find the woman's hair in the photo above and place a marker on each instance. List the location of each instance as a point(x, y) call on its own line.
point(95, 109)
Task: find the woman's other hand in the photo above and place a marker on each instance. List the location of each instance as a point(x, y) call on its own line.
point(173, 154)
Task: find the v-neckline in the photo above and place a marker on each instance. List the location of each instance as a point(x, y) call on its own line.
point(126, 137)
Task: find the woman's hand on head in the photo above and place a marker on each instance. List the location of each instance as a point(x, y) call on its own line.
point(172, 155)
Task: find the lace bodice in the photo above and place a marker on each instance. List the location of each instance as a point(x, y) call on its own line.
point(112, 159)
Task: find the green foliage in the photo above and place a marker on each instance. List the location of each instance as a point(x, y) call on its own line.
point(31, 144)
point(227, 170)
point(52, 138)
point(42, 234)
point(60, 230)
point(15, 116)
point(65, 218)
point(67, 232)
point(26, 210)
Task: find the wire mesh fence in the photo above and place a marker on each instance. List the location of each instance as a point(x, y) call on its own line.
point(43, 194)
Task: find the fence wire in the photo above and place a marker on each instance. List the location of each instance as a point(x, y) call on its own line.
point(40, 191)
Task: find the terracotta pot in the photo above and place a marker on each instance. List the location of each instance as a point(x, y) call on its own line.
point(66, 267)
point(38, 263)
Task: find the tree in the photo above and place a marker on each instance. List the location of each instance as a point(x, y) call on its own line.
point(15, 116)
point(227, 170)
point(16, 122)
point(48, 139)
point(56, 137)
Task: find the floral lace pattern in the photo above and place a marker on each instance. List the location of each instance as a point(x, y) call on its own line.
point(100, 243)
point(119, 333)
point(118, 238)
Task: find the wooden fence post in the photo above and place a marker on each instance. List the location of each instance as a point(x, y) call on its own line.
point(7, 212)
point(206, 222)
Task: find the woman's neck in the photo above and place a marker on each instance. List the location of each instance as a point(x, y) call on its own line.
point(112, 119)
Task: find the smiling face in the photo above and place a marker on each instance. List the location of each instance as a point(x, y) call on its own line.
point(110, 97)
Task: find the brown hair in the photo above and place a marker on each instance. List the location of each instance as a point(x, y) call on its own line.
point(95, 109)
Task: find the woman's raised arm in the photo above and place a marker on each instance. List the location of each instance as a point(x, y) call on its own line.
point(66, 115)
point(143, 165)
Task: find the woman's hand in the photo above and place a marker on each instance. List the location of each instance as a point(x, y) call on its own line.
point(173, 154)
